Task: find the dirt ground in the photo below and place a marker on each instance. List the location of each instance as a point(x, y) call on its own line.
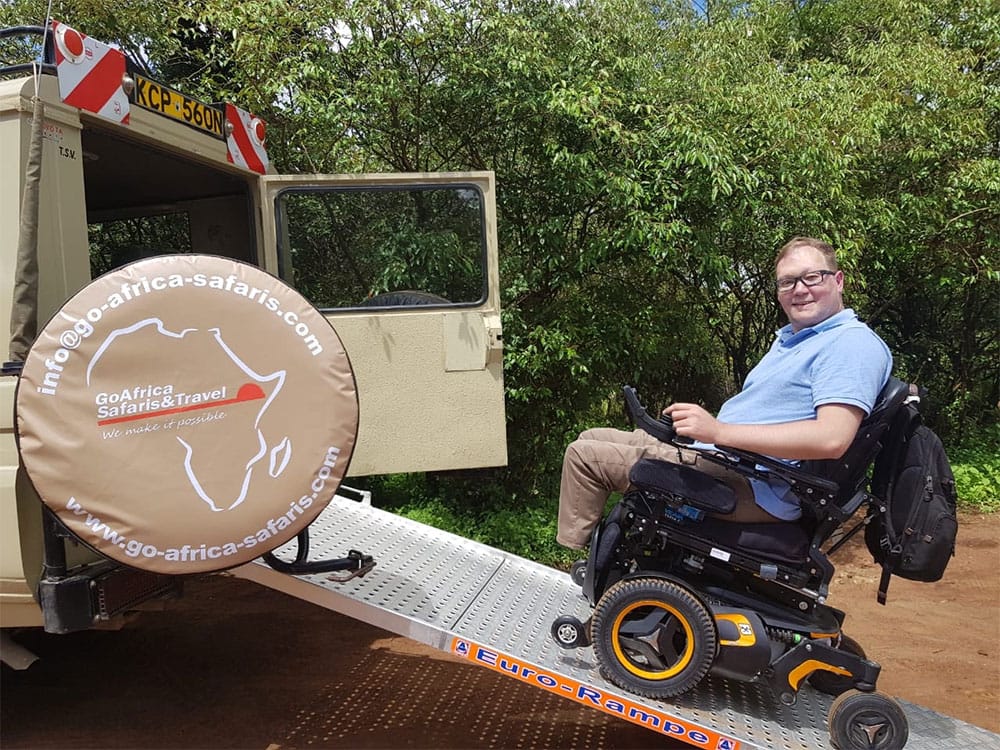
point(938, 643)
point(234, 665)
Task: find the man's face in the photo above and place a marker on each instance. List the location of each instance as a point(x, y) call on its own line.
point(808, 305)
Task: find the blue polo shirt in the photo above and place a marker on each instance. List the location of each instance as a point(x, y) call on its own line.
point(837, 361)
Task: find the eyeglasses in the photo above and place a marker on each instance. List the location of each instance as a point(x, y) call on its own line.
point(813, 278)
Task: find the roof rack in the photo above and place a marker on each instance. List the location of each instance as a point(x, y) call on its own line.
point(48, 61)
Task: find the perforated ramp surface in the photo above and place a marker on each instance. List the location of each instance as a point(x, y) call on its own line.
point(496, 609)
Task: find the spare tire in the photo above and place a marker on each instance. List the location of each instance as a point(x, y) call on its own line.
point(186, 413)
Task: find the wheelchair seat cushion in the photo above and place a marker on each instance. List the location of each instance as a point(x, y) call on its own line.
point(685, 482)
point(782, 541)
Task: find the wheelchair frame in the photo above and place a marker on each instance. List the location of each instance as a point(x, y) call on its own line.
point(676, 598)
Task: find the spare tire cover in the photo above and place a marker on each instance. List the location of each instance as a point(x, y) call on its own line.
point(186, 413)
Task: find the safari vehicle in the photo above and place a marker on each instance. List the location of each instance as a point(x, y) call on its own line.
point(406, 264)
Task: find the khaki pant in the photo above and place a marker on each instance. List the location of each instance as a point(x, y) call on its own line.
point(598, 463)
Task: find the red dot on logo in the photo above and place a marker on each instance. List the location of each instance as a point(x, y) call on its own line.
point(249, 392)
point(73, 41)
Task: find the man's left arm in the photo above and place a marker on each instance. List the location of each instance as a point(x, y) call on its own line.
point(826, 436)
point(846, 380)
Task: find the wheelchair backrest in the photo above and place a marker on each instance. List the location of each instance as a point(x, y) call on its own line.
point(851, 469)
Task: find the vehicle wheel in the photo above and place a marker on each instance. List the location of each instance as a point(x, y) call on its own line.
point(867, 721)
point(578, 572)
point(403, 298)
point(653, 637)
point(569, 632)
point(835, 684)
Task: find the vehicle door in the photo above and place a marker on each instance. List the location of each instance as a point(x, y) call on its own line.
point(404, 266)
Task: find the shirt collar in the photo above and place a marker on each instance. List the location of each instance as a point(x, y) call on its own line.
point(787, 336)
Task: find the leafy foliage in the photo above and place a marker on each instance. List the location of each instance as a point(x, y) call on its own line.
point(976, 465)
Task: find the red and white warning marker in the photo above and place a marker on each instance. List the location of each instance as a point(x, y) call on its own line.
point(245, 140)
point(90, 74)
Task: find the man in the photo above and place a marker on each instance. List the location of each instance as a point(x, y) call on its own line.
point(804, 400)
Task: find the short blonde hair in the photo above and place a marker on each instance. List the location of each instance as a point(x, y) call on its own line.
point(825, 249)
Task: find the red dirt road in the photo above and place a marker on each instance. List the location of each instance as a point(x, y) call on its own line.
point(234, 665)
point(938, 643)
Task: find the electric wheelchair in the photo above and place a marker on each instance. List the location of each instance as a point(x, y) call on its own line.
point(678, 593)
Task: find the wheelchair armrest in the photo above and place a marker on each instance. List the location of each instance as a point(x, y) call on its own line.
point(791, 474)
point(662, 429)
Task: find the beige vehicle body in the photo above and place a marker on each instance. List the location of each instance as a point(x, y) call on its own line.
point(428, 374)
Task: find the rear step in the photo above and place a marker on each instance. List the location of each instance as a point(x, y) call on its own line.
point(97, 593)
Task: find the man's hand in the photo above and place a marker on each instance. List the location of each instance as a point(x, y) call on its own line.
point(691, 421)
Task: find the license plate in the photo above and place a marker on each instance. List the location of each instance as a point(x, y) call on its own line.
point(173, 104)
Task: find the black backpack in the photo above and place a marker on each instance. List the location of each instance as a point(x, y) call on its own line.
point(912, 526)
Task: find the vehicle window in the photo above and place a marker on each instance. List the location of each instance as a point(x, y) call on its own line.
point(115, 243)
point(350, 247)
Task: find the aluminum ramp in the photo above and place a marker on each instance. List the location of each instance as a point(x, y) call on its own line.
point(495, 609)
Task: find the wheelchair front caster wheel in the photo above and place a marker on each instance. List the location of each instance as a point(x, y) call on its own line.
point(578, 571)
point(867, 721)
point(569, 632)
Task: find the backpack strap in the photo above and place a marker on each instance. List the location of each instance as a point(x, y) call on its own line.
point(891, 551)
point(888, 564)
point(884, 480)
